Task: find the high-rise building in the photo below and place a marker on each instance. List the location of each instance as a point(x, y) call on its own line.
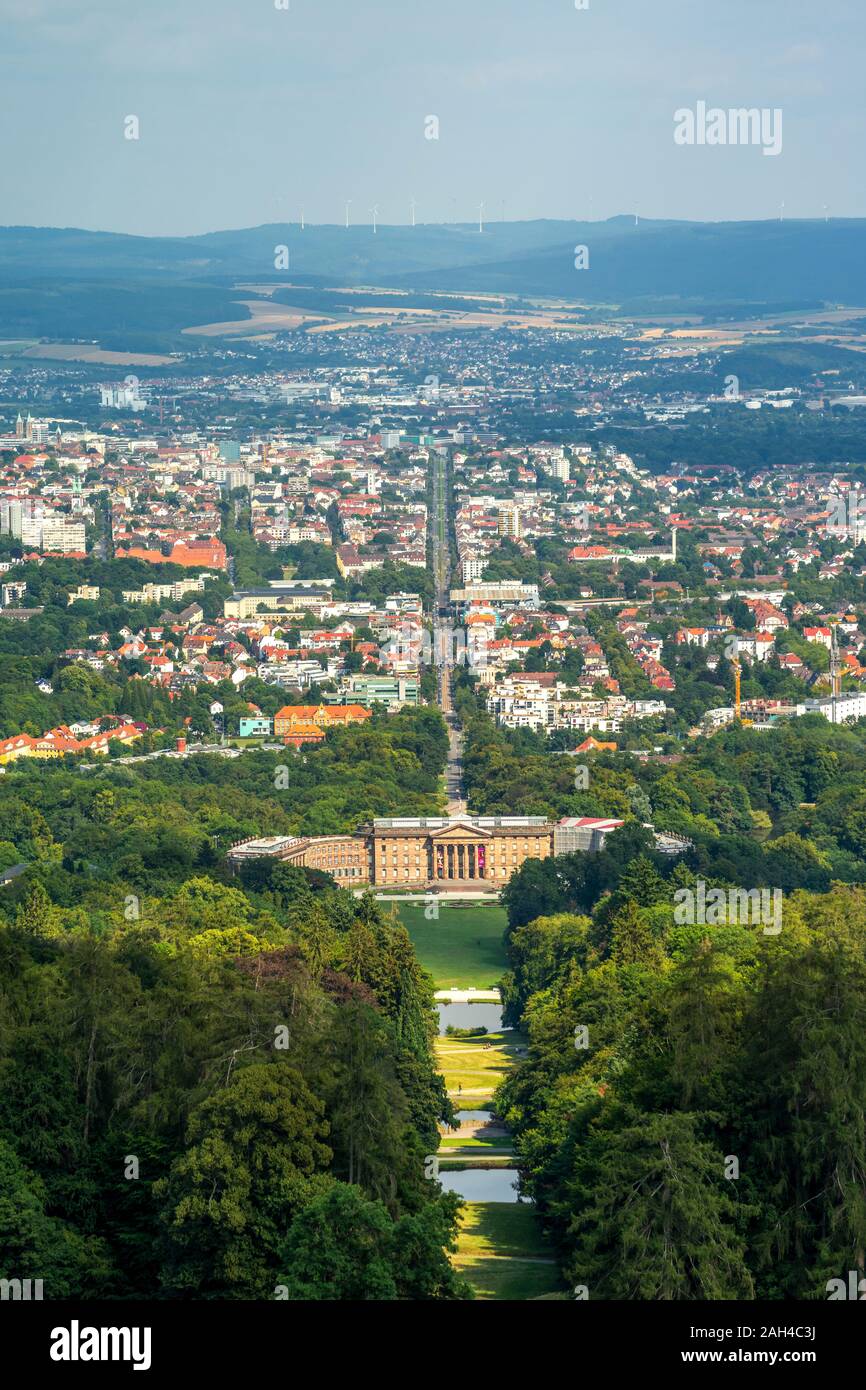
point(62, 535)
point(559, 468)
point(34, 524)
point(11, 517)
point(508, 522)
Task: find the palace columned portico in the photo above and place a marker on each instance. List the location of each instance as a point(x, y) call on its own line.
point(458, 861)
point(459, 850)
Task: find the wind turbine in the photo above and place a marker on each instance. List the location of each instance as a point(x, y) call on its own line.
point(481, 216)
point(412, 206)
point(348, 205)
point(782, 211)
point(375, 211)
point(302, 219)
point(826, 213)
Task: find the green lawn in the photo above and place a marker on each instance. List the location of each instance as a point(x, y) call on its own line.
point(479, 1144)
point(462, 947)
point(500, 1251)
point(462, 1162)
point(472, 1068)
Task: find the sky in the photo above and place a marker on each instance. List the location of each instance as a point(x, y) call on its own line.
point(248, 112)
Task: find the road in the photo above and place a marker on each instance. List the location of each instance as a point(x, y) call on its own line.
point(443, 641)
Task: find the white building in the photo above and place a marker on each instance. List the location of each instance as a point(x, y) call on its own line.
point(34, 524)
point(472, 568)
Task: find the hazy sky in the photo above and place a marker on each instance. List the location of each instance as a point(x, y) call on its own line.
point(248, 111)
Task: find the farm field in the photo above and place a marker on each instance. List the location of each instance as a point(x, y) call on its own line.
point(16, 347)
point(90, 352)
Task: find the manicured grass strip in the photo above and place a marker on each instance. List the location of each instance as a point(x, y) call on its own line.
point(501, 1228)
point(458, 1163)
point(494, 1145)
point(462, 948)
point(470, 1064)
point(502, 1254)
point(510, 1281)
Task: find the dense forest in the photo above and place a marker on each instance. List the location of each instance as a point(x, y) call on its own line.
point(689, 1115)
point(689, 1118)
point(215, 1087)
point(203, 1101)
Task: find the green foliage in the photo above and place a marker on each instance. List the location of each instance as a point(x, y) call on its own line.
point(653, 1219)
point(254, 1153)
point(246, 1047)
point(160, 822)
point(36, 1245)
point(341, 1247)
point(689, 1118)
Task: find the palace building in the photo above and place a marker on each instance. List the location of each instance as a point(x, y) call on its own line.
point(480, 852)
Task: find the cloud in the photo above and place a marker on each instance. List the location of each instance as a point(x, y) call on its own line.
point(797, 53)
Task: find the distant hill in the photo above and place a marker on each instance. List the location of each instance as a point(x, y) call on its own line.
point(653, 266)
point(335, 254)
point(739, 261)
